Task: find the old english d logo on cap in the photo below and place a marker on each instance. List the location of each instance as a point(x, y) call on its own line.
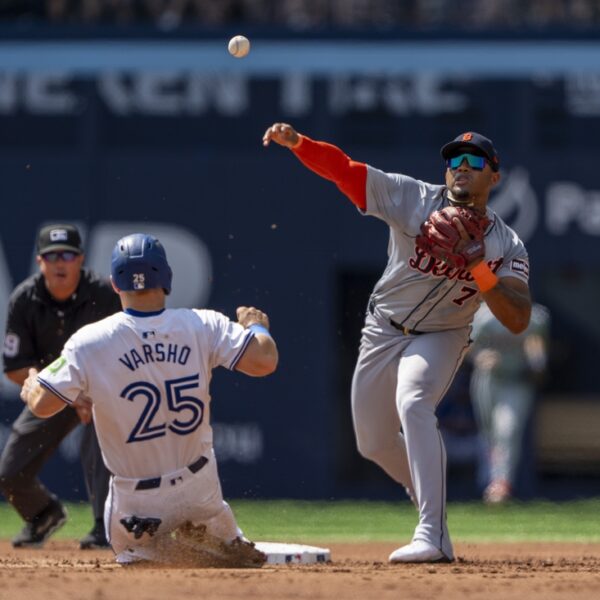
point(474, 140)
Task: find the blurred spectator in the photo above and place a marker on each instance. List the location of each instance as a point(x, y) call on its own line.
point(167, 13)
point(496, 13)
point(507, 370)
point(429, 13)
point(107, 11)
point(545, 12)
point(310, 14)
point(257, 11)
point(361, 13)
point(583, 12)
point(302, 14)
point(58, 10)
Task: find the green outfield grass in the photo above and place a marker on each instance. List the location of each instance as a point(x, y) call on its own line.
point(295, 521)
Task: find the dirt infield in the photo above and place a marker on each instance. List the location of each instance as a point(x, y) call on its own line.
point(516, 571)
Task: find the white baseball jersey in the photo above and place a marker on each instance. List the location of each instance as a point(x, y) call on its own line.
point(148, 378)
point(417, 290)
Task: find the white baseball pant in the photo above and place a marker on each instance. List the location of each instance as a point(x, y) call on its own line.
point(181, 496)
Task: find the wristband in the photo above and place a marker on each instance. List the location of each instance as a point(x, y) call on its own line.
point(258, 328)
point(484, 277)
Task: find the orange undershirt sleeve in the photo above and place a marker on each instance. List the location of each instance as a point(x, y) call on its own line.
point(330, 162)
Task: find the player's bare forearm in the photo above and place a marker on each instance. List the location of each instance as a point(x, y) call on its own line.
point(40, 401)
point(510, 302)
point(261, 356)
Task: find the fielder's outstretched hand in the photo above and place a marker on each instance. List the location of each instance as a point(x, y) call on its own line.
point(282, 134)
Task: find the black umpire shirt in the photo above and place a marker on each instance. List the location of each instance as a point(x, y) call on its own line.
point(38, 326)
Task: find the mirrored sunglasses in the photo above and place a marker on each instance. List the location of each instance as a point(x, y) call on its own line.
point(65, 255)
point(475, 162)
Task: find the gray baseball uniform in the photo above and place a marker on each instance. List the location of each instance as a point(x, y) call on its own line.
point(418, 321)
point(402, 375)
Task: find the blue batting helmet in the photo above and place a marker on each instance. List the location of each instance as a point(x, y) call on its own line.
point(139, 262)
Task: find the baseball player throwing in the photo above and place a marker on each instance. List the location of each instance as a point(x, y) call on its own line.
point(144, 373)
point(447, 252)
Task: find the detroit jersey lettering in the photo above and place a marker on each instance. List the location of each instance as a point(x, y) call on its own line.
point(163, 364)
point(421, 292)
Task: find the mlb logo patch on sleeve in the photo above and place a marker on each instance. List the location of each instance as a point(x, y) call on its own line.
point(520, 266)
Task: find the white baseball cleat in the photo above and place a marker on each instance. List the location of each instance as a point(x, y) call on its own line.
point(418, 552)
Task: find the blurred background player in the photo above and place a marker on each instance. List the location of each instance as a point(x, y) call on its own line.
point(146, 371)
point(507, 371)
point(44, 311)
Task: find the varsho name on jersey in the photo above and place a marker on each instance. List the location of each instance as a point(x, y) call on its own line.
point(158, 352)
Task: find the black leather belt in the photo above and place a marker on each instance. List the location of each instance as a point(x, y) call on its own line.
point(405, 330)
point(154, 482)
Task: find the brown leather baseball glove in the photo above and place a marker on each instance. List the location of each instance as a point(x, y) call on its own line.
point(441, 238)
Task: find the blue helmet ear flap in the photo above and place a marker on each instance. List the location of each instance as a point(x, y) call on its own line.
point(139, 262)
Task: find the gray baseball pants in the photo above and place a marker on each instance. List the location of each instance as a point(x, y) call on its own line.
point(398, 382)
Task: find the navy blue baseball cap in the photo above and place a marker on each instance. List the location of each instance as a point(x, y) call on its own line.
point(471, 139)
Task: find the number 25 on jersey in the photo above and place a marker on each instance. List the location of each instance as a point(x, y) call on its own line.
point(177, 401)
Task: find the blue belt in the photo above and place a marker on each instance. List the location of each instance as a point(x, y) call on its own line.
point(154, 482)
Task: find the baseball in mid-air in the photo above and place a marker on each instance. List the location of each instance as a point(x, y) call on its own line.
point(239, 46)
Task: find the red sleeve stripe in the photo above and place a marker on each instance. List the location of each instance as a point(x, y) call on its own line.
point(330, 162)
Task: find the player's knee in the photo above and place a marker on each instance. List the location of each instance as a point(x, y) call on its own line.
point(414, 409)
point(363, 449)
point(223, 525)
point(371, 449)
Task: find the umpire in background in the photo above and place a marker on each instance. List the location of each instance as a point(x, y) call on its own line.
point(44, 311)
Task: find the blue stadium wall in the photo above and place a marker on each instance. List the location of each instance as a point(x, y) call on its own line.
point(165, 136)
